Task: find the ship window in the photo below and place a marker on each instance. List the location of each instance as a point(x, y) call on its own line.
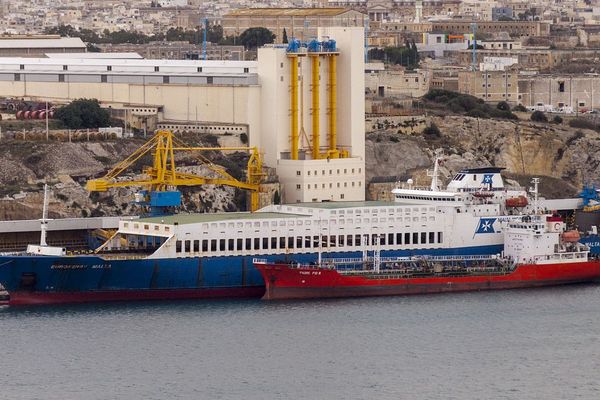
point(282, 243)
point(374, 239)
point(357, 241)
point(390, 238)
point(431, 237)
point(196, 246)
point(382, 240)
point(178, 246)
point(324, 241)
point(273, 243)
point(440, 237)
point(423, 237)
point(187, 246)
point(256, 243)
point(222, 244)
point(290, 242)
point(248, 244)
point(205, 245)
point(230, 245)
point(299, 242)
point(240, 244)
point(213, 245)
point(265, 243)
point(398, 238)
point(407, 238)
point(307, 242)
point(349, 240)
point(316, 241)
point(341, 240)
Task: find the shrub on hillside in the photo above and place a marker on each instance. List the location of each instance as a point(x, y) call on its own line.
point(432, 130)
point(538, 116)
point(583, 123)
point(503, 106)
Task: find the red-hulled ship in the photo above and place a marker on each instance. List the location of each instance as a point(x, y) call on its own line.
point(537, 252)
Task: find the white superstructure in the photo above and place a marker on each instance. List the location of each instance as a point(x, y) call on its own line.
point(542, 240)
point(469, 187)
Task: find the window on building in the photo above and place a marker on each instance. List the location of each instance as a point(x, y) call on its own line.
point(156, 69)
point(205, 245)
point(178, 246)
point(561, 87)
point(213, 245)
point(298, 173)
point(196, 246)
point(298, 187)
point(165, 79)
point(17, 77)
point(103, 78)
point(246, 70)
point(61, 77)
point(230, 244)
point(22, 66)
point(209, 80)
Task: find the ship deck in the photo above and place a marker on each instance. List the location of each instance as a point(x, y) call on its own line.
point(182, 219)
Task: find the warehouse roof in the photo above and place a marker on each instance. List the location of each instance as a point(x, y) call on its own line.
point(41, 43)
point(285, 12)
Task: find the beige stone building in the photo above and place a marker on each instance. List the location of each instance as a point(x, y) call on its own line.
point(397, 82)
point(301, 23)
point(579, 92)
point(492, 86)
point(513, 28)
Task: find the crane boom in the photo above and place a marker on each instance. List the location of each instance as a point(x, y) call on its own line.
point(163, 173)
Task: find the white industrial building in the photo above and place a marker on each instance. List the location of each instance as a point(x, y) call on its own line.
point(311, 131)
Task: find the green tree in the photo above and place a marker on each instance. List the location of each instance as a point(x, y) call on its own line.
point(214, 33)
point(83, 113)
point(253, 38)
point(285, 38)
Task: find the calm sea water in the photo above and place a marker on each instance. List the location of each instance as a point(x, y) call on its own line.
point(525, 344)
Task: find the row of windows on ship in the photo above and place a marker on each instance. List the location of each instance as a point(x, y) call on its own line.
point(431, 198)
point(308, 242)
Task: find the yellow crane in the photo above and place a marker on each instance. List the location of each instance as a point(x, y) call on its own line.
point(163, 173)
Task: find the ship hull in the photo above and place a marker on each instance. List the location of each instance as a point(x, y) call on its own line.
point(283, 282)
point(81, 279)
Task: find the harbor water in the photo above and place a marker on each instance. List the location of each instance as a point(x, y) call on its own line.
point(519, 344)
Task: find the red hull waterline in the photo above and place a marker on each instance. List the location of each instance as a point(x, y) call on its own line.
point(283, 282)
point(42, 298)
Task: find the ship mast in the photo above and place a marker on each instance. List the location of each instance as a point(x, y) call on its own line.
point(44, 220)
point(535, 191)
